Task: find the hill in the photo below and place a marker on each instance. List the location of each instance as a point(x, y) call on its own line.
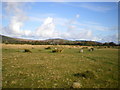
point(10, 40)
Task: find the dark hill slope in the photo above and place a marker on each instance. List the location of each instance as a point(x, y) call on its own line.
point(10, 40)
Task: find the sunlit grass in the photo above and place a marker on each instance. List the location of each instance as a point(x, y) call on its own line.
point(43, 69)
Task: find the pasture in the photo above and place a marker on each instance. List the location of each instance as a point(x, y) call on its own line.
point(41, 68)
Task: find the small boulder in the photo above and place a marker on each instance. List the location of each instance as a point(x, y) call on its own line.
point(76, 85)
point(91, 49)
point(57, 50)
point(25, 50)
point(81, 51)
point(48, 48)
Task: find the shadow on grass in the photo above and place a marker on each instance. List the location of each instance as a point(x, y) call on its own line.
point(86, 74)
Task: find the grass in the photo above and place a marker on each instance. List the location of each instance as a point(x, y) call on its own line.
point(43, 69)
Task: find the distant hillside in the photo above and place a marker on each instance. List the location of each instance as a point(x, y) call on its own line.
point(6, 39)
point(10, 40)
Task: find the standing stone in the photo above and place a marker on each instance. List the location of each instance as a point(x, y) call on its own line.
point(91, 49)
point(81, 50)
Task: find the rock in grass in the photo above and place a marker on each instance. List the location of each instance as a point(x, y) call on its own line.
point(76, 85)
point(25, 50)
point(48, 48)
point(57, 50)
point(81, 51)
point(91, 49)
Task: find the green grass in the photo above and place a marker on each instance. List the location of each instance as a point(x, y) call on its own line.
point(44, 69)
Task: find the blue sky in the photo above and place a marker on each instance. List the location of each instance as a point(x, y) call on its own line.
point(97, 21)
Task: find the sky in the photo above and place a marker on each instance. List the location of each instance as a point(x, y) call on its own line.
point(95, 21)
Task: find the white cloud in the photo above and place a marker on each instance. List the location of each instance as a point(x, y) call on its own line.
point(36, 19)
point(110, 38)
point(77, 16)
point(96, 26)
point(103, 28)
point(60, 21)
point(75, 32)
point(17, 18)
point(47, 29)
point(96, 7)
point(74, 29)
point(90, 6)
point(15, 8)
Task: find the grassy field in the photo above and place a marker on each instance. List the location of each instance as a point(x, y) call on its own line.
point(43, 69)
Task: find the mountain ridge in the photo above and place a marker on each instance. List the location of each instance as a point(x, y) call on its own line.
point(55, 41)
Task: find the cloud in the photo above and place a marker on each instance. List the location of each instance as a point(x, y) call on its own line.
point(91, 6)
point(17, 18)
point(77, 16)
point(74, 32)
point(14, 8)
point(48, 29)
point(36, 19)
point(103, 28)
point(96, 7)
point(96, 26)
point(110, 38)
